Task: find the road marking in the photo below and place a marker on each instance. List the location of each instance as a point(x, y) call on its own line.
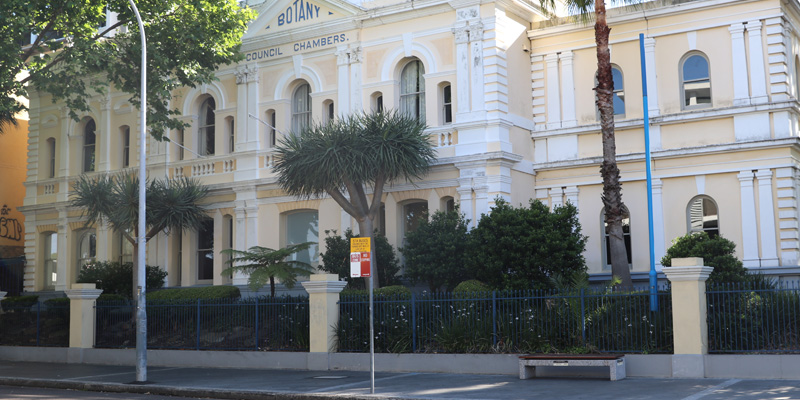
point(360, 383)
point(119, 373)
point(713, 389)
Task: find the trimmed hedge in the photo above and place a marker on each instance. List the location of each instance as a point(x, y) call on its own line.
point(396, 290)
point(196, 293)
point(57, 302)
point(20, 301)
point(471, 286)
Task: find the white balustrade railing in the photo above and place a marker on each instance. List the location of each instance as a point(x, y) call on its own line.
point(444, 137)
point(49, 188)
point(203, 168)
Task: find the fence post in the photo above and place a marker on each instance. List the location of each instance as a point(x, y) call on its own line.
point(323, 307)
point(689, 325)
point(583, 317)
point(82, 319)
point(413, 324)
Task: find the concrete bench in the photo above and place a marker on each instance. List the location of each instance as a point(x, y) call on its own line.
point(614, 362)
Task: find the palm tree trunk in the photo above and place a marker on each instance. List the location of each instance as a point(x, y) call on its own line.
point(612, 189)
point(365, 228)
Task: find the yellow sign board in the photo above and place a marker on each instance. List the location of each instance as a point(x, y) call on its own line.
point(358, 245)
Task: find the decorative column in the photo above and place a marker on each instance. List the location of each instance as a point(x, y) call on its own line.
point(652, 85)
point(553, 95)
point(749, 224)
point(571, 193)
point(465, 201)
point(104, 136)
point(81, 314)
point(356, 103)
point(462, 70)
point(740, 84)
point(323, 298)
point(658, 222)
point(247, 98)
point(64, 253)
point(567, 90)
point(758, 75)
point(766, 214)
point(343, 91)
point(218, 265)
point(689, 326)
point(239, 243)
point(556, 198)
point(477, 75)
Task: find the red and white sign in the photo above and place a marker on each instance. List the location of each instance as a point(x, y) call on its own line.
point(360, 264)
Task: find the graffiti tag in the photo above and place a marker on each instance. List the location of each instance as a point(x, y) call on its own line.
point(10, 228)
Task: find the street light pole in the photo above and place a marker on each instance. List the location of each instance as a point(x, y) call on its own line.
point(141, 315)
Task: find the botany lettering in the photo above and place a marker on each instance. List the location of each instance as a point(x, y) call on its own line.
point(298, 11)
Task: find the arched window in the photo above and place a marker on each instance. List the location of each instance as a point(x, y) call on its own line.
point(447, 104)
point(618, 94)
point(87, 248)
point(231, 134)
point(206, 129)
point(89, 140)
point(126, 146)
point(51, 158)
point(301, 227)
point(50, 260)
point(329, 109)
point(205, 250)
point(696, 81)
point(703, 216)
point(412, 90)
point(413, 213)
point(301, 108)
point(447, 204)
point(376, 101)
point(626, 234)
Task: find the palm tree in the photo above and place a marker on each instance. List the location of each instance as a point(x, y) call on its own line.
point(612, 189)
point(351, 155)
point(114, 200)
point(265, 264)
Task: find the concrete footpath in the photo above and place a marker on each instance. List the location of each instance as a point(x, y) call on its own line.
point(292, 384)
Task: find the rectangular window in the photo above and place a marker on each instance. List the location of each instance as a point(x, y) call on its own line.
point(51, 144)
point(231, 138)
point(205, 250)
point(50, 261)
point(447, 105)
point(272, 121)
point(181, 134)
point(126, 147)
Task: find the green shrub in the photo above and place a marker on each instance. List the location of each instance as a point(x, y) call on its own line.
point(434, 252)
point(117, 278)
point(336, 259)
point(20, 301)
point(59, 302)
point(520, 248)
point(111, 297)
point(716, 252)
point(196, 293)
point(471, 286)
point(395, 290)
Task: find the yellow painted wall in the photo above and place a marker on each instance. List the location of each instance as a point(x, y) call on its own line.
point(13, 153)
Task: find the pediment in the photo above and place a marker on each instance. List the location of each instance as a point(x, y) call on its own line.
point(284, 15)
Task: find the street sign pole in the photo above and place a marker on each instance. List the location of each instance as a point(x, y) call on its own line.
point(361, 267)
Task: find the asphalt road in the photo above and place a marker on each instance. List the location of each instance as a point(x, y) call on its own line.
point(16, 393)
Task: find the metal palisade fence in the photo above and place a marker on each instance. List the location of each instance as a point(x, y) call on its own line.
point(510, 322)
point(34, 323)
point(266, 324)
point(754, 317)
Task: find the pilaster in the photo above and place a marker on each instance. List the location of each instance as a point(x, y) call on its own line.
point(778, 59)
point(323, 298)
point(343, 91)
point(652, 85)
point(758, 76)
point(659, 242)
point(567, 90)
point(740, 84)
point(766, 213)
point(553, 92)
point(749, 224)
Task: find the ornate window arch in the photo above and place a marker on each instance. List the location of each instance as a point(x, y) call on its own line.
point(412, 89)
point(301, 107)
point(695, 81)
point(206, 128)
point(702, 215)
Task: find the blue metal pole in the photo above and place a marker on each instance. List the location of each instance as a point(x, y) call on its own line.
point(648, 161)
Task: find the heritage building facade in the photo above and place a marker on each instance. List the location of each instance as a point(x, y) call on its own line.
point(507, 96)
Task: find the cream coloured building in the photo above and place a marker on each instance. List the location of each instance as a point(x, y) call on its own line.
point(508, 99)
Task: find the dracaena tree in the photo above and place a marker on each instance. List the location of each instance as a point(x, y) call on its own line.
point(78, 54)
point(352, 156)
point(172, 204)
point(585, 11)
